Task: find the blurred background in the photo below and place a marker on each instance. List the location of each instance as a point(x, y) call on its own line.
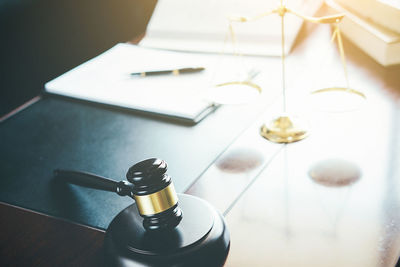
point(42, 39)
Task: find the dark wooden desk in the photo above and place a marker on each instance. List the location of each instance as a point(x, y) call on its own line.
point(278, 215)
point(33, 239)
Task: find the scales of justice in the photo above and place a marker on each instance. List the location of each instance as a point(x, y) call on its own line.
point(287, 128)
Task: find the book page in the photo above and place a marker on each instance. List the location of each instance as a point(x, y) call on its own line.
point(202, 25)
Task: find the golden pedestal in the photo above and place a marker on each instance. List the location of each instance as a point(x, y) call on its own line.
point(284, 129)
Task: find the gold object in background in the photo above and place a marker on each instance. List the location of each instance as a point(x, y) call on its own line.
point(238, 91)
point(337, 34)
point(286, 129)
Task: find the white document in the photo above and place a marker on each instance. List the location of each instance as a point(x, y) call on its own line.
point(202, 25)
point(106, 79)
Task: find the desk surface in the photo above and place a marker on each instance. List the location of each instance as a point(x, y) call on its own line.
point(59, 133)
point(277, 215)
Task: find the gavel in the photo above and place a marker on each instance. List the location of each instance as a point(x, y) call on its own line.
point(162, 228)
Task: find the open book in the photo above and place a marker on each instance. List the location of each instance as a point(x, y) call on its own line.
point(202, 25)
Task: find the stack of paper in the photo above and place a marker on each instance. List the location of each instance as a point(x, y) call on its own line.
point(381, 43)
point(382, 12)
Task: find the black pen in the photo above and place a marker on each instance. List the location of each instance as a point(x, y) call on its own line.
point(162, 72)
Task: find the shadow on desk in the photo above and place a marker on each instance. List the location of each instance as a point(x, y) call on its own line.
point(128, 111)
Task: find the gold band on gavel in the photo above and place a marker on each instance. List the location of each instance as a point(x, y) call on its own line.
point(157, 202)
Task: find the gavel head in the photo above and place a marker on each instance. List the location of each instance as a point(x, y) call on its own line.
point(155, 195)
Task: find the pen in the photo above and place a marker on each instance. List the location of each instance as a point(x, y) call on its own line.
point(161, 72)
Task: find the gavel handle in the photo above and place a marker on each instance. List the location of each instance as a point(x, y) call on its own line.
point(122, 188)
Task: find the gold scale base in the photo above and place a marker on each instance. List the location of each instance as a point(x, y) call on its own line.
point(284, 129)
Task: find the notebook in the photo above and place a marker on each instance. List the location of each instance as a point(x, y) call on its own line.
point(106, 79)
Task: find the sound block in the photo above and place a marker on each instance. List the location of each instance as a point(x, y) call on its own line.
point(200, 239)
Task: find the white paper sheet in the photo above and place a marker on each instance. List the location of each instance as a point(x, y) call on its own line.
point(106, 79)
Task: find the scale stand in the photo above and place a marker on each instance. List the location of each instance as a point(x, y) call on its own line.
point(287, 128)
